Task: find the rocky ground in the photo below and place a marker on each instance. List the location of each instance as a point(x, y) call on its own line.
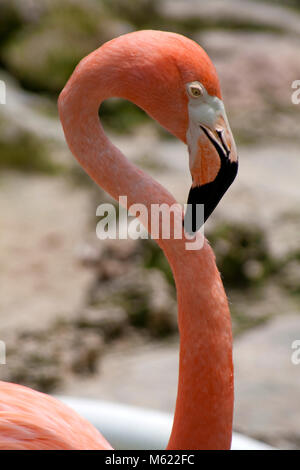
point(76, 311)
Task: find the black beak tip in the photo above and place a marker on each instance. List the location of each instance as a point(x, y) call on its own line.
point(194, 216)
point(203, 200)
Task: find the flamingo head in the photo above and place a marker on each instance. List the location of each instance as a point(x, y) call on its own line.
point(212, 153)
point(196, 114)
point(172, 78)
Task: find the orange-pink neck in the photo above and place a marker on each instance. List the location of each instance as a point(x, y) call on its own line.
point(204, 407)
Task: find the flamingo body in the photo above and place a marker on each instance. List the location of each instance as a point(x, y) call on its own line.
point(30, 420)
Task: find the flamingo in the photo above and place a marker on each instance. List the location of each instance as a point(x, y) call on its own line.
point(173, 80)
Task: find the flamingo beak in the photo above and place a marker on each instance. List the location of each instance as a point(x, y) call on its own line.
point(213, 170)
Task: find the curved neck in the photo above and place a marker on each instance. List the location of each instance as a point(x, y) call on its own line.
point(203, 415)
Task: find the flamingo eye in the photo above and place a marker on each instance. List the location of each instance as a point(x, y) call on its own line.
point(195, 90)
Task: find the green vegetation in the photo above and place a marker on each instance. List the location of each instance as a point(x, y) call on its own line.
point(142, 14)
point(121, 116)
point(24, 152)
point(289, 275)
point(153, 257)
point(285, 3)
point(242, 255)
point(42, 54)
point(10, 20)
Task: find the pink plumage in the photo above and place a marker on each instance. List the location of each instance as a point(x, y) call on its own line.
point(35, 421)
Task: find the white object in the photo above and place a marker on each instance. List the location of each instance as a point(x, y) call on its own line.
point(129, 427)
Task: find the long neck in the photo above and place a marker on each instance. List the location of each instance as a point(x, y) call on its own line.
point(204, 406)
point(203, 415)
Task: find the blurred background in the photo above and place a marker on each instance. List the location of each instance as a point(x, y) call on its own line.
point(96, 318)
